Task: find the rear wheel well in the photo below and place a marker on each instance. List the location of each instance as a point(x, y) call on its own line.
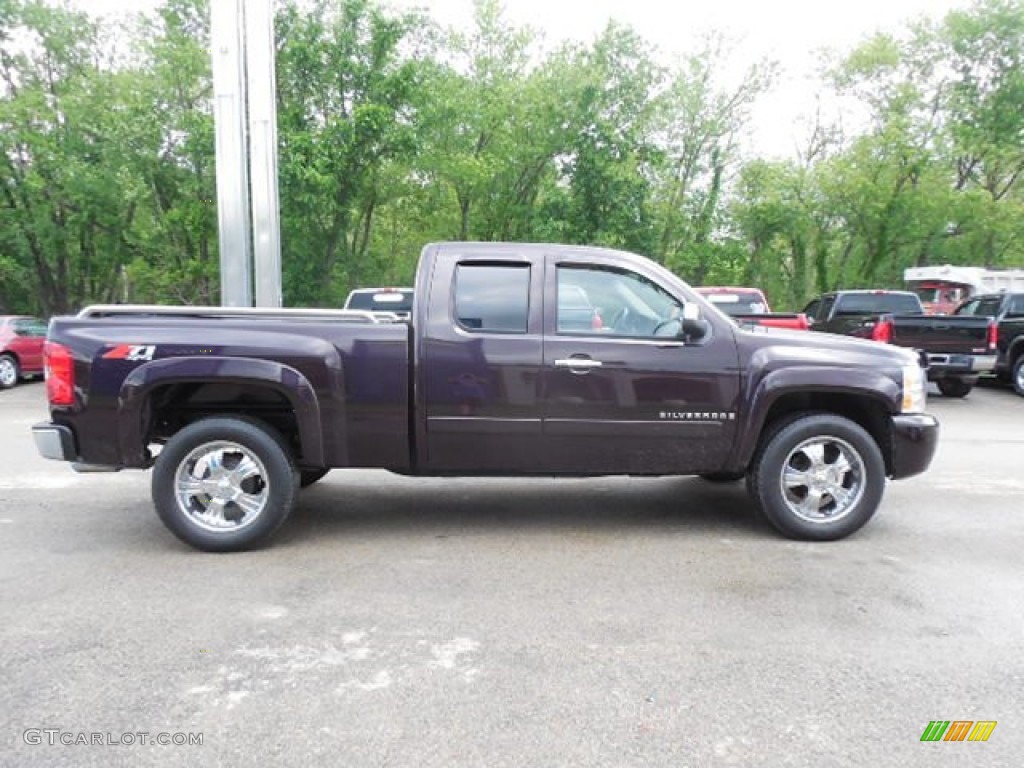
point(1015, 352)
point(868, 413)
point(171, 407)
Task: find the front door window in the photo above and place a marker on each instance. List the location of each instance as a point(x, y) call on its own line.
point(611, 302)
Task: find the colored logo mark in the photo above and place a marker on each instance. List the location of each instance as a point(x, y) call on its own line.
point(958, 730)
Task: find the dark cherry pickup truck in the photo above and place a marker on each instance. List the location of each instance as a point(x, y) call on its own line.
point(958, 349)
point(236, 409)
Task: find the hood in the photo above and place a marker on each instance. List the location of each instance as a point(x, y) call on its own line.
point(814, 348)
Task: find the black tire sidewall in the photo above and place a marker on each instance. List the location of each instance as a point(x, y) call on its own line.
point(282, 480)
point(1015, 380)
point(954, 388)
point(766, 489)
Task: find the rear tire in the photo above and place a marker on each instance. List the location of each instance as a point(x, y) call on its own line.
point(954, 387)
point(1018, 376)
point(224, 484)
point(818, 478)
point(10, 372)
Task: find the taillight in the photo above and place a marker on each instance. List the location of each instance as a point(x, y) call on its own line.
point(993, 337)
point(60, 374)
point(882, 331)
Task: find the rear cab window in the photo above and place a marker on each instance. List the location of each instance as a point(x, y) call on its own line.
point(397, 300)
point(983, 306)
point(737, 302)
point(878, 303)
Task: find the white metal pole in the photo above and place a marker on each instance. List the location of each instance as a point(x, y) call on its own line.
point(227, 51)
point(261, 94)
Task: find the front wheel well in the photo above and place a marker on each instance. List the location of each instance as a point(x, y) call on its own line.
point(870, 414)
point(172, 407)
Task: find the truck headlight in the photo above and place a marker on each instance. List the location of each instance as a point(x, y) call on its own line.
point(915, 393)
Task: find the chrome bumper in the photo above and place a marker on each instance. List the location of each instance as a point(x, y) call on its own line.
point(54, 441)
point(940, 364)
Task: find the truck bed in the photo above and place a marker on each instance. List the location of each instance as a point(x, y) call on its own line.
point(343, 375)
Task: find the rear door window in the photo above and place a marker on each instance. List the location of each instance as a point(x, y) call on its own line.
point(492, 297)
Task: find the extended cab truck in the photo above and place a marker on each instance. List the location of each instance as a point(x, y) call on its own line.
point(1007, 309)
point(246, 405)
point(958, 349)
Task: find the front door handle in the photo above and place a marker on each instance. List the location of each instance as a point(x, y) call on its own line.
point(577, 362)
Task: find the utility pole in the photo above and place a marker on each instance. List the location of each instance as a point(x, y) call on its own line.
point(242, 37)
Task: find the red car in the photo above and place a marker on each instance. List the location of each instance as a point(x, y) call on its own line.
point(21, 348)
point(748, 306)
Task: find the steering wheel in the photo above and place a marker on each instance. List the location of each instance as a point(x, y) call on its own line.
point(666, 324)
point(617, 323)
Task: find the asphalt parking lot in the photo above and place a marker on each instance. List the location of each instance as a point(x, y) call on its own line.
point(609, 622)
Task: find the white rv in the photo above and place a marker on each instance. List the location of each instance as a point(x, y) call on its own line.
point(942, 288)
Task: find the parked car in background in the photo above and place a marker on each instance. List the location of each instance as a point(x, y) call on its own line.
point(1007, 309)
point(959, 349)
point(397, 301)
point(748, 306)
point(21, 348)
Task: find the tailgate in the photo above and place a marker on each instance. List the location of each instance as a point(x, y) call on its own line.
point(942, 333)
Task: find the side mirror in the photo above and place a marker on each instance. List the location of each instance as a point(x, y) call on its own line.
point(693, 325)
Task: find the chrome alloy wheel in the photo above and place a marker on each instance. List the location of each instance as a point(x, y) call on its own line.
point(8, 372)
point(822, 479)
point(221, 486)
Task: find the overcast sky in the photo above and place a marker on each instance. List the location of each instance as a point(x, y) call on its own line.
point(788, 31)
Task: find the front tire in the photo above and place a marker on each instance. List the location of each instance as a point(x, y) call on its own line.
point(9, 371)
point(954, 387)
point(224, 484)
point(818, 478)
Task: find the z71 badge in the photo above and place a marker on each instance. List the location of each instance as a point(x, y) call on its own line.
point(133, 352)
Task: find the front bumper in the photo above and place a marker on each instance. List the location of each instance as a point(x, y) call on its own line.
point(914, 439)
point(54, 441)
